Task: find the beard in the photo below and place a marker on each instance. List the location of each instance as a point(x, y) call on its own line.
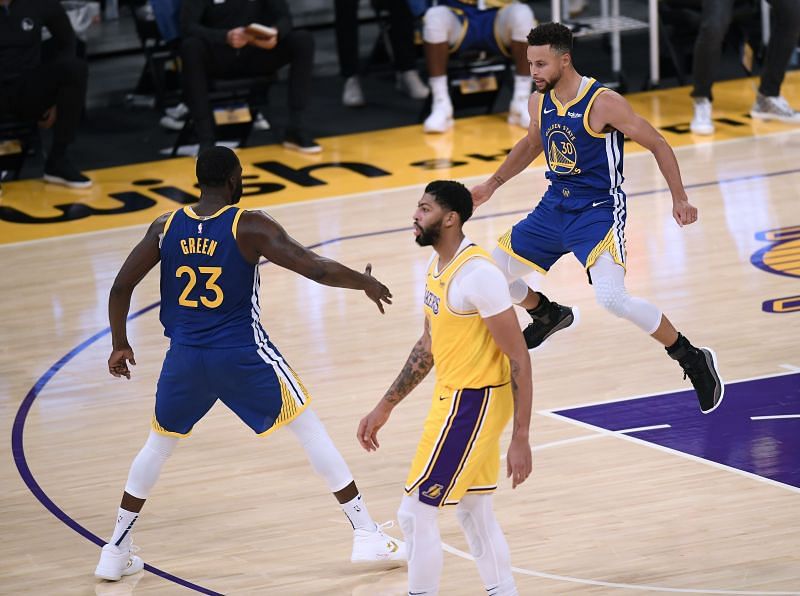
point(429, 236)
point(237, 193)
point(548, 85)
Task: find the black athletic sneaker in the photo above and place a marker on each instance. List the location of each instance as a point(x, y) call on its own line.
point(300, 140)
point(548, 318)
point(61, 171)
point(700, 365)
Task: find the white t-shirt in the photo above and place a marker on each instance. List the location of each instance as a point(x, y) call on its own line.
point(478, 285)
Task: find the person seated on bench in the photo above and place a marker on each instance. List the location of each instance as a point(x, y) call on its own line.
point(495, 26)
point(217, 41)
point(52, 92)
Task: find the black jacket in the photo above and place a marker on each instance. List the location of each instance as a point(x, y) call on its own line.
point(212, 19)
point(21, 25)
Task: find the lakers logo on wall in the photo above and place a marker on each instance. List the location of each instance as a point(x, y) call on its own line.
point(781, 257)
point(561, 155)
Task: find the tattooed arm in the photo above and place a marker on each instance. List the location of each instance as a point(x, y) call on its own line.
point(505, 330)
point(416, 368)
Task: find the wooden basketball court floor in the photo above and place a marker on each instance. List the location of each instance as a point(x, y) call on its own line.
point(628, 496)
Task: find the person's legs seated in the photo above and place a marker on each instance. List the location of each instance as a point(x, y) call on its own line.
point(442, 30)
point(60, 84)
point(770, 104)
point(512, 25)
point(297, 50)
point(196, 59)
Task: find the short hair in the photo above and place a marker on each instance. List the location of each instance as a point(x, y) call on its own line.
point(215, 166)
point(452, 195)
point(555, 35)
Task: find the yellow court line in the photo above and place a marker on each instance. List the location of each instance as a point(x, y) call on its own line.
point(359, 163)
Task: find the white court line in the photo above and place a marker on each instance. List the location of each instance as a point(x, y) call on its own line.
point(592, 582)
point(671, 451)
point(775, 417)
point(639, 429)
point(790, 367)
point(646, 395)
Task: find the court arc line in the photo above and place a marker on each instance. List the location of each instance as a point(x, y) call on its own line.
point(18, 427)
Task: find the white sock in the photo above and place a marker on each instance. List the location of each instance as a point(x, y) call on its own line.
point(522, 86)
point(356, 511)
point(122, 530)
point(439, 88)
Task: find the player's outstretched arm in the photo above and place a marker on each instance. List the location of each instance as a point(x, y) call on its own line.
point(260, 235)
point(140, 261)
point(521, 156)
point(416, 368)
point(505, 330)
point(616, 112)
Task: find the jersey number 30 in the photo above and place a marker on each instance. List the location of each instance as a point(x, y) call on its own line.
point(213, 273)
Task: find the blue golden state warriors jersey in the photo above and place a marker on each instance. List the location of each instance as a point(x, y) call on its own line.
point(581, 162)
point(209, 292)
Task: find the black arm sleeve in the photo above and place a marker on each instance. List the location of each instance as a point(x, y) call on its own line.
point(276, 14)
point(192, 12)
point(57, 22)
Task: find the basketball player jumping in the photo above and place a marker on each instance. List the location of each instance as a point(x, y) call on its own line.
point(483, 373)
point(580, 125)
point(209, 256)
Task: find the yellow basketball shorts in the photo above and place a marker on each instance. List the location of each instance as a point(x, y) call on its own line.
point(459, 451)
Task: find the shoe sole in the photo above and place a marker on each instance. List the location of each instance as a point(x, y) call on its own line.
point(713, 365)
point(767, 116)
point(448, 126)
point(135, 568)
point(703, 132)
point(308, 150)
point(576, 318)
point(63, 182)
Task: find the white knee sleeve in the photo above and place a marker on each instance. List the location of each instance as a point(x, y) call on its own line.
point(519, 276)
point(440, 25)
point(147, 464)
point(608, 279)
point(487, 544)
point(420, 525)
point(320, 450)
point(514, 22)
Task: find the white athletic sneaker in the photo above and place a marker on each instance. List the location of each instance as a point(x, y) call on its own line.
point(114, 563)
point(774, 108)
point(261, 123)
point(409, 83)
point(441, 117)
point(377, 546)
point(518, 112)
point(702, 123)
point(178, 112)
point(353, 96)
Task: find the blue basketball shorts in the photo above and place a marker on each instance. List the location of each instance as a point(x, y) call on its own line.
point(255, 382)
point(477, 29)
point(587, 228)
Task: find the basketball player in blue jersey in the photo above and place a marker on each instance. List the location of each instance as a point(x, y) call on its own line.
point(209, 256)
point(483, 375)
point(580, 126)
